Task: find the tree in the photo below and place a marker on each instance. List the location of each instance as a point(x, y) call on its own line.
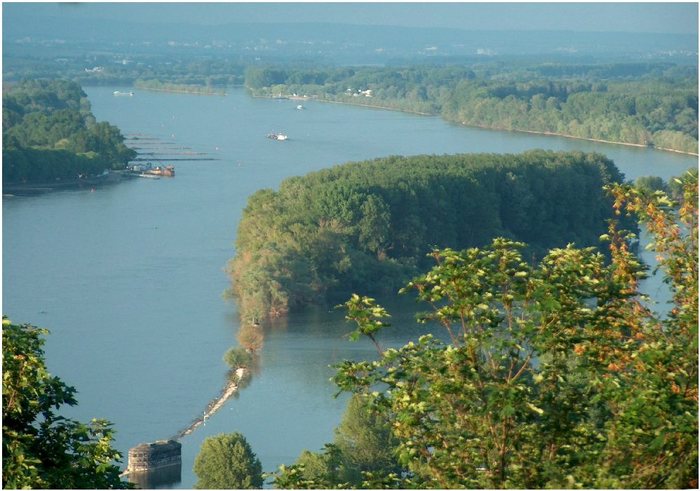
point(364, 450)
point(649, 184)
point(551, 375)
point(42, 449)
point(237, 357)
point(226, 461)
point(365, 442)
point(50, 133)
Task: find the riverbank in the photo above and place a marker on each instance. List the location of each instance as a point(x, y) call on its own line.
point(563, 135)
point(471, 125)
point(31, 188)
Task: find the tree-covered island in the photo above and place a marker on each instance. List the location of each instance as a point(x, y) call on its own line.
point(367, 226)
point(50, 135)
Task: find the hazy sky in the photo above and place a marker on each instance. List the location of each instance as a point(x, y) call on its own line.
point(601, 16)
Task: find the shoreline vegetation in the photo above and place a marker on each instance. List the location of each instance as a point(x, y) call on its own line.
point(636, 104)
point(472, 125)
point(369, 225)
point(51, 139)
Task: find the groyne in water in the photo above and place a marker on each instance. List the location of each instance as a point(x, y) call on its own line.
point(215, 404)
point(150, 459)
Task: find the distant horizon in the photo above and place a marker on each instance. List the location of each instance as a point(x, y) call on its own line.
point(679, 18)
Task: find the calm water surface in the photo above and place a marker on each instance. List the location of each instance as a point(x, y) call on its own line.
point(129, 278)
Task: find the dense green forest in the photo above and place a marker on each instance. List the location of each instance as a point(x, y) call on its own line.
point(642, 104)
point(50, 133)
point(125, 69)
point(368, 225)
point(551, 375)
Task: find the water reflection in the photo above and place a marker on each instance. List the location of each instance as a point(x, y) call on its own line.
point(164, 478)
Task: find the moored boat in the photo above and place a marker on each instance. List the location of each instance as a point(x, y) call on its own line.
point(147, 170)
point(277, 136)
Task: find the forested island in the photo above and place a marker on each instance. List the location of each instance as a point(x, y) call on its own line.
point(645, 104)
point(50, 135)
point(368, 226)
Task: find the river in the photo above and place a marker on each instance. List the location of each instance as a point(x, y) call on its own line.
point(129, 277)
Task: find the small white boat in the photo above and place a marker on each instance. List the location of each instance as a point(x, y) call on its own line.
point(300, 107)
point(277, 136)
point(120, 93)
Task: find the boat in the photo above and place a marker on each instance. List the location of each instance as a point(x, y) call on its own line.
point(120, 93)
point(300, 107)
point(147, 170)
point(277, 136)
point(161, 171)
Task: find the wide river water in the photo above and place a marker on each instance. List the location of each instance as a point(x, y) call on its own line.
point(129, 277)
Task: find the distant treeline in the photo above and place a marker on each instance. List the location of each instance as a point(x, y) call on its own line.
point(112, 70)
point(368, 225)
point(641, 104)
point(638, 103)
point(49, 133)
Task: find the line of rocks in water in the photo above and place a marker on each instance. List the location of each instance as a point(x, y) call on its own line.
point(214, 405)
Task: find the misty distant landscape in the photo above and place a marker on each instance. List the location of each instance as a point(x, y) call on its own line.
point(50, 32)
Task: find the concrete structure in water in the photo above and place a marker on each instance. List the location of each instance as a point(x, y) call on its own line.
point(147, 457)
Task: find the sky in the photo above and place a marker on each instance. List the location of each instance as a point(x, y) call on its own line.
point(667, 17)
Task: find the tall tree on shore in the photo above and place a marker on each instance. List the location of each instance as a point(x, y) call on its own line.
point(226, 461)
